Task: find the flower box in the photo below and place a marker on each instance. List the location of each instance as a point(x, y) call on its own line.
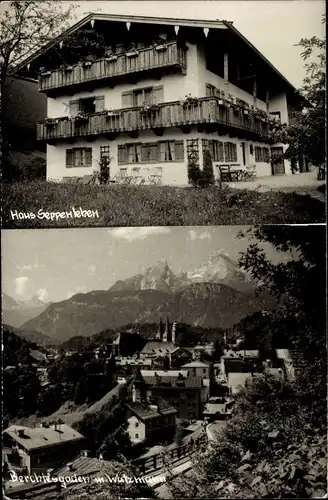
point(160, 47)
point(132, 53)
point(81, 118)
point(221, 101)
point(68, 68)
point(50, 123)
point(87, 64)
point(46, 73)
point(111, 58)
point(245, 112)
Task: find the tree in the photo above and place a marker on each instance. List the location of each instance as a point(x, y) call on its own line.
point(305, 134)
point(208, 168)
point(24, 28)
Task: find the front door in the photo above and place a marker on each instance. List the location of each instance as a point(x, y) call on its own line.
point(278, 165)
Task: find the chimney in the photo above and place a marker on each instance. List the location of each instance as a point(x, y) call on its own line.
point(84, 453)
point(70, 466)
point(101, 456)
point(21, 433)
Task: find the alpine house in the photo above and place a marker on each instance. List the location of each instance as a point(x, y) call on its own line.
point(154, 96)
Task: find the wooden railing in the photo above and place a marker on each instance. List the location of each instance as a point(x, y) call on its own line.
point(156, 462)
point(104, 68)
point(174, 114)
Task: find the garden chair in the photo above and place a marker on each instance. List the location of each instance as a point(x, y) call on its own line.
point(225, 173)
point(250, 172)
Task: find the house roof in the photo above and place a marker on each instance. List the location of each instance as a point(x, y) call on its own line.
point(152, 408)
point(249, 353)
point(213, 408)
point(283, 354)
point(210, 24)
point(236, 379)
point(164, 373)
point(81, 466)
point(173, 382)
point(41, 437)
point(158, 347)
point(196, 364)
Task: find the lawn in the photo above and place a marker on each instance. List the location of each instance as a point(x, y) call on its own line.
point(153, 206)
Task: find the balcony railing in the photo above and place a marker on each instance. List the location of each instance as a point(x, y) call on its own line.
point(206, 110)
point(109, 67)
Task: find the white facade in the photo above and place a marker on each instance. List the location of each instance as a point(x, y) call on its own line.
point(175, 88)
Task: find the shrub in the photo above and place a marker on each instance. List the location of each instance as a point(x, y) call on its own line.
point(208, 168)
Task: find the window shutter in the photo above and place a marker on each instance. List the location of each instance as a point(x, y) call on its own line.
point(88, 156)
point(154, 152)
point(234, 152)
point(73, 108)
point(208, 89)
point(100, 103)
point(220, 152)
point(122, 153)
point(226, 151)
point(69, 158)
point(158, 94)
point(126, 99)
point(144, 152)
point(179, 150)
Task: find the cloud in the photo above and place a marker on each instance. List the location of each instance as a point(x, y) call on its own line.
point(92, 269)
point(194, 235)
point(137, 233)
point(21, 285)
point(206, 235)
point(42, 294)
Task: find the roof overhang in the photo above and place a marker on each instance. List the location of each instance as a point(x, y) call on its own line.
point(191, 23)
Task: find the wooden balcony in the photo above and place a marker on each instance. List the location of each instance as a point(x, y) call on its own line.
point(145, 60)
point(207, 113)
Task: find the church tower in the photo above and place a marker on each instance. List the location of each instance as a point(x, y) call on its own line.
point(159, 334)
point(173, 335)
point(167, 335)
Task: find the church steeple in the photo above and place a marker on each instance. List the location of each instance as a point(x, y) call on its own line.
point(167, 335)
point(159, 334)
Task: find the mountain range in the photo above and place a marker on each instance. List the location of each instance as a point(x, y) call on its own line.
point(217, 294)
point(17, 312)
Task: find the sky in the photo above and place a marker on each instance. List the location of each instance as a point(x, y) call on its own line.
point(55, 264)
point(273, 26)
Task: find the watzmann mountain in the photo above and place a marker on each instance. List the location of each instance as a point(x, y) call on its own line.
point(215, 295)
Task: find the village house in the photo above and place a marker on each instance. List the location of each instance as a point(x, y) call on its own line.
point(183, 393)
point(150, 420)
point(161, 93)
point(40, 448)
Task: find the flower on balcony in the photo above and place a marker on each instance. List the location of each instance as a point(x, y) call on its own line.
point(132, 51)
point(189, 100)
point(110, 57)
point(86, 64)
point(50, 122)
point(160, 46)
point(149, 108)
point(259, 114)
point(68, 68)
point(109, 112)
point(80, 117)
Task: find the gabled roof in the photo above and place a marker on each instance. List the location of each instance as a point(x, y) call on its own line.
point(196, 23)
point(196, 364)
point(154, 408)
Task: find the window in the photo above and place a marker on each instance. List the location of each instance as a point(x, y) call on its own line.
point(134, 153)
point(79, 157)
point(204, 370)
point(137, 435)
point(87, 105)
point(167, 151)
point(276, 115)
point(152, 152)
point(230, 151)
point(262, 155)
point(149, 152)
point(212, 91)
point(137, 424)
point(215, 148)
point(138, 97)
